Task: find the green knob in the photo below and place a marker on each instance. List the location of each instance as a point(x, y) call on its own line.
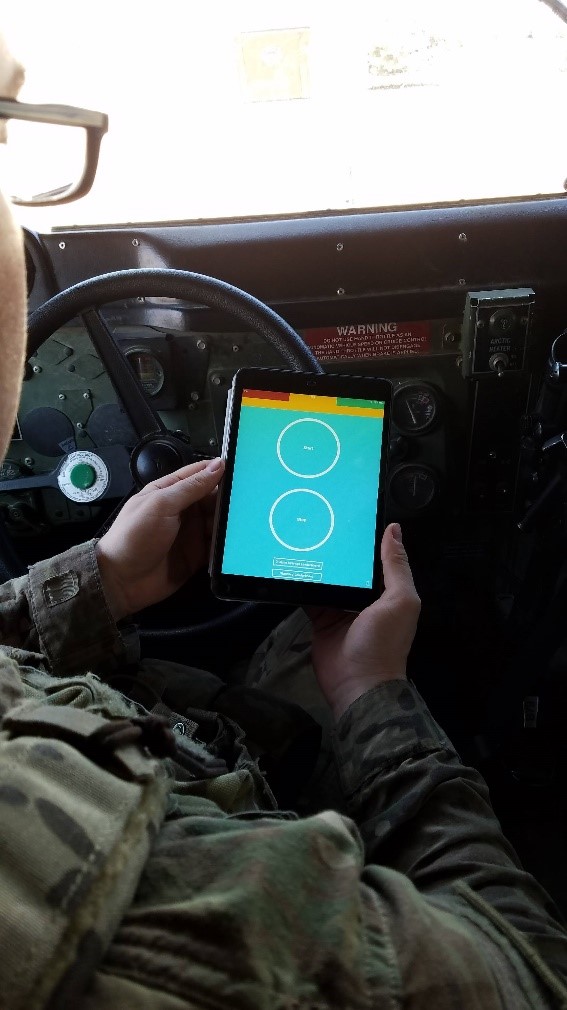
point(83, 476)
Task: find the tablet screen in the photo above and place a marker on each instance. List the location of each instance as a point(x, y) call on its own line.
point(304, 495)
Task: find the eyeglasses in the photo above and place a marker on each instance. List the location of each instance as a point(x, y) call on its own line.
point(47, 141)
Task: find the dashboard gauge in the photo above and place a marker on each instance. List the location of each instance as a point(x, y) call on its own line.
point(413, 487)
point(148, 369)
point(415, 409)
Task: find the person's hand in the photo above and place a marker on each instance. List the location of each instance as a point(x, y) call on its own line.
point(353, 654)
point(159, 539)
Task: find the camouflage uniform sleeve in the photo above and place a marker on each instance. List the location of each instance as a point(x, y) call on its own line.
point(422, 812)
point(60, 611)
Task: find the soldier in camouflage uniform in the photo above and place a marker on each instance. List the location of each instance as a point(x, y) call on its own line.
point(141, 868)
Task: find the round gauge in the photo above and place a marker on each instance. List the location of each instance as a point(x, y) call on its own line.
point(148, 369)
point(415, 409)
point(413, 487)
point(83, 476)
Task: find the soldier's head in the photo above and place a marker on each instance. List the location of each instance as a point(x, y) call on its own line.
point(12, 276)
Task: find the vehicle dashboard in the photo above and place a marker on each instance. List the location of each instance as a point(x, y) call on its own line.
point(371, 293)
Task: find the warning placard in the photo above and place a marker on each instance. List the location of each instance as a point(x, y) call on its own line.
point(369, 340)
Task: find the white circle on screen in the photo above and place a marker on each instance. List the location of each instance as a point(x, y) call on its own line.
point(310, 451)
point(301, 519)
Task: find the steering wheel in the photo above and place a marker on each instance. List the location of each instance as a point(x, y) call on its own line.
point(157, 450)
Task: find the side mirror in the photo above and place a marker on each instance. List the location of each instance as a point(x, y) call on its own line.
point(52, 152)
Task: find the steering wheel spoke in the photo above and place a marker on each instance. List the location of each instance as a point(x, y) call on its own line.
point(83, 476)
point(143, 417)
point(38, 481)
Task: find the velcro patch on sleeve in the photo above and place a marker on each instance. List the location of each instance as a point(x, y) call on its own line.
point(60, 588)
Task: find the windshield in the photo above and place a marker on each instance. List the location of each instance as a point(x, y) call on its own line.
point(222, 109)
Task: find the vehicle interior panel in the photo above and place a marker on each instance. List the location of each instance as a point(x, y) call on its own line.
point(476, 471)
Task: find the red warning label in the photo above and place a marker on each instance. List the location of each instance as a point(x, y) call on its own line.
point(369, 340)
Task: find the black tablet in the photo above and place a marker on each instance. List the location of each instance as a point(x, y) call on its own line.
point(300, 507)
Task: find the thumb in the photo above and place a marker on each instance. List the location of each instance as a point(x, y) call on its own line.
point(191, 487)
point(398, 579)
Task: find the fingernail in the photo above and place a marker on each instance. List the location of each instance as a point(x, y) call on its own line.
point(214, 464)
point(397, 532)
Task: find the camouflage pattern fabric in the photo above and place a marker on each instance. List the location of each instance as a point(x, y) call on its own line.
point(399, 777)
point(77, 821)
point(413, 899)
point(282, 666)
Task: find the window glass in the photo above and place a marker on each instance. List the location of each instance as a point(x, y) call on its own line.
point(223, 109)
